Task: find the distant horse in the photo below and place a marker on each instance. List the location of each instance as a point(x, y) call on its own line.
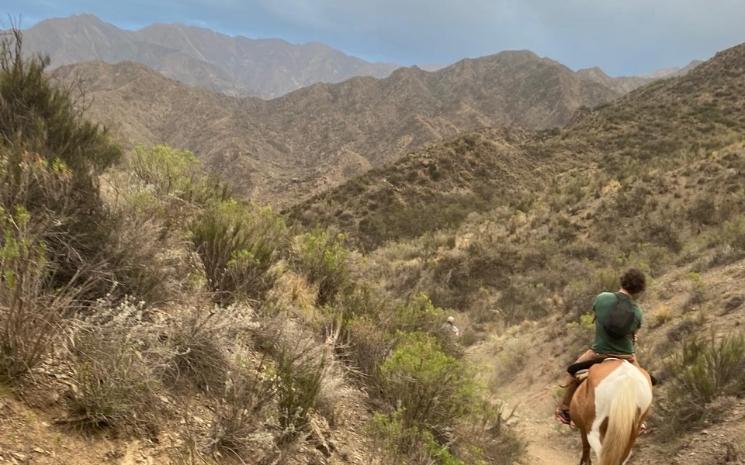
point(609, 408)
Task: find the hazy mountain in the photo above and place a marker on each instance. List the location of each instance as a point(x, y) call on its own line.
point(653, 129)
point(621, 84)
point(233, 65)
point(625, 84)
point(317, 137)
point(673, 72)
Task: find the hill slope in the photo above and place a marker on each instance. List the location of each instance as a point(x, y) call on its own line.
point(286, 149)
point(652, 180)
point(655, 125)
point(233, 65)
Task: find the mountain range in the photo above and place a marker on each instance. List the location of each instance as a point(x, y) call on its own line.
point(236, 66)
point(286, 149)
point(653, 126)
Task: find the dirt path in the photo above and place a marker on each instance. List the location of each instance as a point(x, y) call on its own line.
point(549, 443)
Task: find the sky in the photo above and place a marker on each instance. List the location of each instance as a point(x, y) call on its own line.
point(624, 37)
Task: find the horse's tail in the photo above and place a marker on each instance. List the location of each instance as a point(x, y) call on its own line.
point(623, 420)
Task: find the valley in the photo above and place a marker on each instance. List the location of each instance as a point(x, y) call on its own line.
point(213, 274)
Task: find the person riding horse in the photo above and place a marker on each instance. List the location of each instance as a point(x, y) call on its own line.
point(610, 340)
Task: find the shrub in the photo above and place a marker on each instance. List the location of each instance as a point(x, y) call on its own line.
point(431, 388)
point(368, 346)
point(418, 314)
point(579, 294)
point(702, 371)
point(510, 358)
point(697, 295)
point(300, 372)
point(324, 259)
point(662, 315)
point(403, 443)
point(482, 437)
point(116, 387)
point(733, 234)
point(134, 257)
point(240, 410)
point(38, 118)
point(196, 341)
point(238, 244)
point(30, 313)
point(45, 117)
point(176, 174)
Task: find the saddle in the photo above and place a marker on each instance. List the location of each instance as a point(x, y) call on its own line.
point(580, 370)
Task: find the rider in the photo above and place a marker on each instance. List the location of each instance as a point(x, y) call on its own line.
point(633, 284)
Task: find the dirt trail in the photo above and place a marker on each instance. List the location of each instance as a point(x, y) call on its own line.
point(549, 443)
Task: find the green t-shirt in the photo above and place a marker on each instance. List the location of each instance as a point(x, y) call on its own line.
point(604, 343)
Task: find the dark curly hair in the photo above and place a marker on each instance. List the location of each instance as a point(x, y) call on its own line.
point(633, 281)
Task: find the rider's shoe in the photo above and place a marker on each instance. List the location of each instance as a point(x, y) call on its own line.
point(562, 416)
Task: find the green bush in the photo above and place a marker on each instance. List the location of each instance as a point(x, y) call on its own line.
point(408, 444)
point(175, 173)
point(237, 244)
point(30, 313)
point(44, 119)
point(324, 260)
point(41, 119)
point(418, 314)
point(431, 388)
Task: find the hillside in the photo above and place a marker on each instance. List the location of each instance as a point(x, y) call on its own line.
point(655, 125)
point(652, 180)
point(310, 140)
point(237, 65)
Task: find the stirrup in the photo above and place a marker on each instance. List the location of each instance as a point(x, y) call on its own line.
point(562, 416)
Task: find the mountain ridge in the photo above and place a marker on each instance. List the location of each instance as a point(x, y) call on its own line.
point(286, 149)
point(699, 110)
point(234, 65)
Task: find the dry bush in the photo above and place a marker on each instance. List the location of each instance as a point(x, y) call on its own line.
point(114, 386)
point(136, 260)
point(367, 347)
point(240, 411)
point(703, 371)
point(117, 360)
point(300, 369)
point(483, 437)
point(334, 386)
point(197, 338)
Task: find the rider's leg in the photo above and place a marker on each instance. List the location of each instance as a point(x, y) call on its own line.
point(571, 384)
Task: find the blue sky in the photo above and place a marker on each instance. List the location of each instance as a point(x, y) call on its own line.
point(621, 36)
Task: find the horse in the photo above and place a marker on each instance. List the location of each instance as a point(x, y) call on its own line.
point(609, 408)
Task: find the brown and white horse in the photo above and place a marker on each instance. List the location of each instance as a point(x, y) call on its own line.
point(609, 409)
